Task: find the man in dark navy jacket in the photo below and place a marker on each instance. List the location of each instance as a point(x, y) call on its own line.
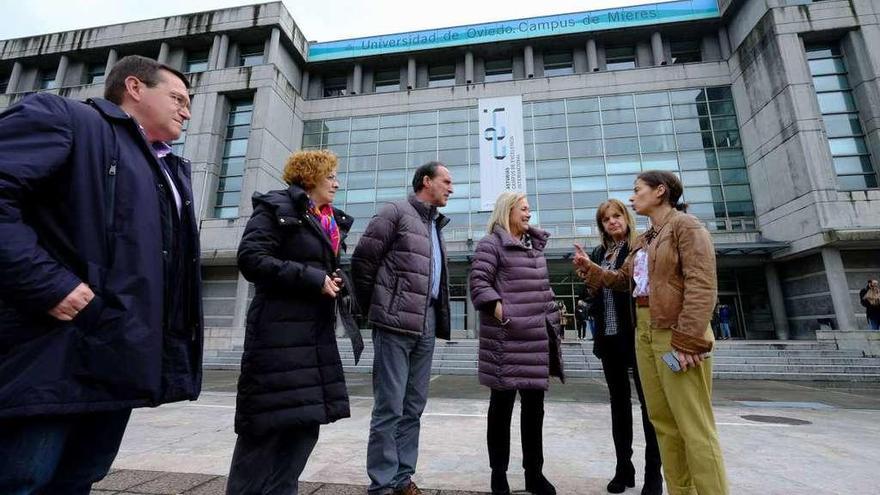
point(100, 307)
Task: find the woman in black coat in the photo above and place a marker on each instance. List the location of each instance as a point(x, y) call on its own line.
point(614, 344)
point(291, 373)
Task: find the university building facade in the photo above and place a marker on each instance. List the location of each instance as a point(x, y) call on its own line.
point(769, 111)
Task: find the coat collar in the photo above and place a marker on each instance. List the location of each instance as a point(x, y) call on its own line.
point(293, 203)
point(663, 221)
point(109, 109)
point(426, 211)
point(539, 238)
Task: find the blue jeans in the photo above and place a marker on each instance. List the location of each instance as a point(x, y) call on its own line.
point(873, 324)
point(725, 330)
point(58, 454)
point(401, 373)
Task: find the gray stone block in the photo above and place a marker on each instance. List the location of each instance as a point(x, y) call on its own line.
point(173, 483)
point(125, 479)
point(216, 486)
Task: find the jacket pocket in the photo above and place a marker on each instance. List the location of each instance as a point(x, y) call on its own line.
point(393, 300)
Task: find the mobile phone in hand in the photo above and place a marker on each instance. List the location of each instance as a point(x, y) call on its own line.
point(671, 360)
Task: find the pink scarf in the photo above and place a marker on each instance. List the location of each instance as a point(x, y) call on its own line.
point(328, 223)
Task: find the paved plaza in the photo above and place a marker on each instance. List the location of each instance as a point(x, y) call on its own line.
point(778, 438)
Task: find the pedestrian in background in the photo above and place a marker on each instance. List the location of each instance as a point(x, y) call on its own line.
point(100, 302)
point(519, 336)
point(291, 378)
point(870, 299)
point(670, 270)
point(614, 343)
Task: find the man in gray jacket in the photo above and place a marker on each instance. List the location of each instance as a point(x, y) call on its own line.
point(400, 278)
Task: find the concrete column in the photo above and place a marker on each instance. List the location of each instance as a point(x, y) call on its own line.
point(14, 78)
point(529, 61)
point(839, 288)
point(112, 57)
point(357, 79)
point(212, 55)
point(724, 42)
point(657, 48)
point(304, 85)
point(777, 301)
point(274, 46)
point(222, 52)
point(592, 56)
point(411, 73)
point(163, 53)
point(61, 72)
point(469, 67)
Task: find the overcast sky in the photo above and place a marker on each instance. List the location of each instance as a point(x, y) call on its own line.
point(320, 20)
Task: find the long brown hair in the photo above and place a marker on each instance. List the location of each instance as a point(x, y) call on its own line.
point(612, 203)
point(872, 295)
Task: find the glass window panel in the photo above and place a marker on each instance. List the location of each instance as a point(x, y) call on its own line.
point(852, 165)
point(590, 200)
point(582, 105)
point(421, 157)
point(621, 181)
point(453, 129)
point(693, 141)
point(339, 149)
point(836, 102)
point(360, 195)
point(452, 142)
point(830, 83)
point(622, 195)
point(229, 199)
point(548, 107)
point(652, 99)
point(827, 66)
point(362, 123)
point(360, 180)
point(740, 209)
point(692, 125)
point(228, 212)
point(363, 149)
point(587, 118)
point(549, 217)
point(552, 168)
point(585, 148)
point(499, 70)
point(654, 113)
point(620, 130)
point(659, 161)
point(313, 127)
point(822, 51)
point(617, 116)
point(232, 166)
point(651, 144)
point(842, 125)
point(237, 147)
point(552, 150)
point(454, 157)
point(395, 120)
point(547, 121)
point(311, 140)
point(731, 158)
point(621, 146)
point(699, 178)
point(362, 210)
point(719, 93)
point(457, 115)
point(230, 184)
point(848, 146)
point(336, 138)
point(238, 132)
point(356, 163)
point(398, 146)
point(390, 193)
point(554, 201)
point(687, 96)
point(690, 111)
point(392, 133)
point(735, 176)
point(364, 136)
point(624, 164)
point(460, 173)
point(697, 160)
point(423, 131)
point(585, 132)
point(239, 118)
point(724, 123)
point(457, 205)
point(727, 139)
point(422, 144)
point(335, 125)
point(392, 178)
point(553, 185)
point(616, 102)
point(596, 183)
point(587, 166)
point(738, 193)
point(856, 182)
point(653, 128)
point(550, 135)
point(721, 108)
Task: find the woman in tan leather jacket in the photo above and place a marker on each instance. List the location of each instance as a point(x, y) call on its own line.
point(671, 273)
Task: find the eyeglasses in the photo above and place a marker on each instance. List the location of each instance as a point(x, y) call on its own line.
point(181, 101)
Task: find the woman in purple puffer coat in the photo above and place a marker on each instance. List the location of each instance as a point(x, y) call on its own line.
point(519, 342)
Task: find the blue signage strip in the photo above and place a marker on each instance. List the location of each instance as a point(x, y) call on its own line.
point(580, 22)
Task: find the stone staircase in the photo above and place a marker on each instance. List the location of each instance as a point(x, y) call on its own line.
point(743, 360)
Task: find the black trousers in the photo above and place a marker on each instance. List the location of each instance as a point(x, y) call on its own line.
point(270, 464)
point(582, 329)
point(531, 425)
point(617, 377)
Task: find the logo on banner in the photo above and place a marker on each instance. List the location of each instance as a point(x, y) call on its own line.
point(496, 134)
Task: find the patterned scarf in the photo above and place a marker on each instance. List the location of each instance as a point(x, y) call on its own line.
point(328, 222)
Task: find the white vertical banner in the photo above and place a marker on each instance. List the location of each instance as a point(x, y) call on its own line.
point(502, 159)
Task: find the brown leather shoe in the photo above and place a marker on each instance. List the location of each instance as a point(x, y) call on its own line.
point(410, 489)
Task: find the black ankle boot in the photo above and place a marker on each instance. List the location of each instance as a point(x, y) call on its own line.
point(621, 480)
point(499, 483)
point(653, 484)
point(537, 484)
